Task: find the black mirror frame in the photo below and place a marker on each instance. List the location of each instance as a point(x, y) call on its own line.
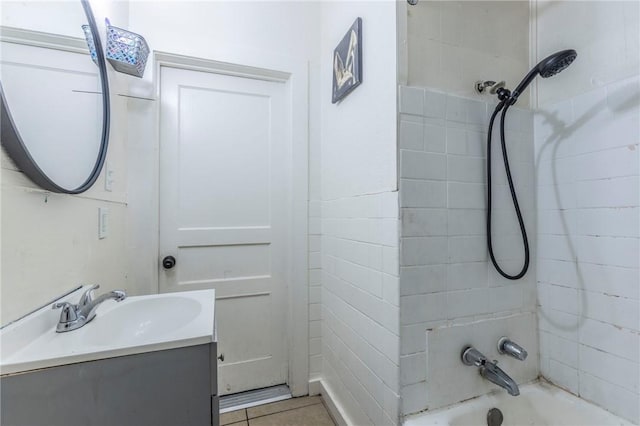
point(17, 150)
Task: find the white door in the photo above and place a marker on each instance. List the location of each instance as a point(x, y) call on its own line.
point(224, 190)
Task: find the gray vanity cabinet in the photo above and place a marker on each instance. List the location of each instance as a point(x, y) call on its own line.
point(168, 387)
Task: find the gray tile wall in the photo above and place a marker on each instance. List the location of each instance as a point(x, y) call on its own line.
point(445, 276)
point(588, 189)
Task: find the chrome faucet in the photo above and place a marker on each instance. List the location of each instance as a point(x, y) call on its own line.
point(490, 370)
point(509, 347)
point(73, 316)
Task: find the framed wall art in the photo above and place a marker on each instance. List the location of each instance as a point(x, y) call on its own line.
point(347, 62)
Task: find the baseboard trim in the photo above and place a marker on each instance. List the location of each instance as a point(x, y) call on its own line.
point(319, 387)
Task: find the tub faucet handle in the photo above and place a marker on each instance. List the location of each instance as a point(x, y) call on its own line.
point(509, 347)
point(472, 356)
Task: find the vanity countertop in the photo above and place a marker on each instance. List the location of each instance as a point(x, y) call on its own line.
point(136, 325)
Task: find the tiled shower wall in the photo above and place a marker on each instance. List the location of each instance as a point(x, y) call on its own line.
point(359, 222)
point(588, 239)
point(445, 276)
point(360, 305)
point(587, 130)
point(315, 290)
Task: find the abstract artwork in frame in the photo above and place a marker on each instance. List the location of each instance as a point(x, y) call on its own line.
point(347, 62)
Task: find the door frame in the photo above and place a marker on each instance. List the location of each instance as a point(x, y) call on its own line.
point(295, 77)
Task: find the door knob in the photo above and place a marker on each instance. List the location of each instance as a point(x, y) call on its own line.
point(168, 262)
point(221, 357)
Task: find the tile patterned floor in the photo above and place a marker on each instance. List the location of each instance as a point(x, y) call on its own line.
point(305, 411)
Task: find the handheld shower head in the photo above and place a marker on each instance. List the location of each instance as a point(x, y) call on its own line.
point(548, 67)
point(555, 63)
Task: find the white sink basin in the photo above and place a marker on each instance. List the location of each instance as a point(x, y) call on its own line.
point(135, 325)
point(141, 320)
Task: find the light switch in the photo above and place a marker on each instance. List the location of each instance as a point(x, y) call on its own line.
point(108, 177)
point(103, 222)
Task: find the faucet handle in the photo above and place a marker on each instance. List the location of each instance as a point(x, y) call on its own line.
point(68, 313)
point(472, 356)
point(509, 347)
point(87, 296)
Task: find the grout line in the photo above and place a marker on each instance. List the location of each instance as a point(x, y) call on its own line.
point(236, 423)
point(283, 411)
point(246, 417)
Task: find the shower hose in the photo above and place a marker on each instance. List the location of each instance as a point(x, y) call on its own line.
point(504, 106)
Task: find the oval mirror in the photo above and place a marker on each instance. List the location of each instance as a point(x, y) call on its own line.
point(54, 101)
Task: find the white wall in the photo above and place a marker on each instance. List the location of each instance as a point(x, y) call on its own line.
point(587, 167)
point(50, 241)
point(362, 123)
point(359, 220)
point(605, 35)
point(453, 44)
point(224, 30)
point(446, 279)
point(55, 17)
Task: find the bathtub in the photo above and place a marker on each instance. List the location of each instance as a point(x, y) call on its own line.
point(539, 404)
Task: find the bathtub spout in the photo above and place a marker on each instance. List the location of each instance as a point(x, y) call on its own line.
point(490, 370)
point(495, 374)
